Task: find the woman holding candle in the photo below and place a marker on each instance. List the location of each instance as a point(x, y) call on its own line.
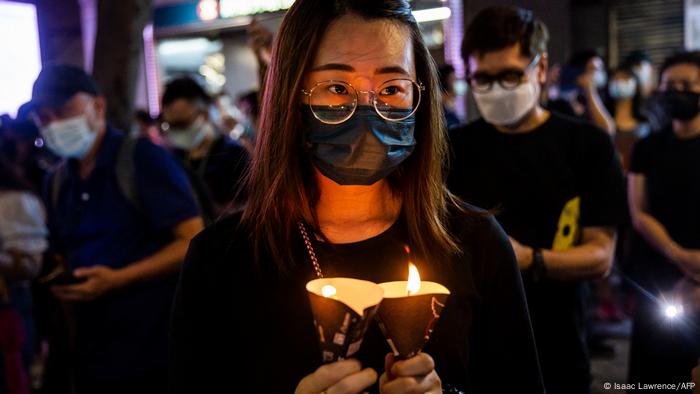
point(347, 172)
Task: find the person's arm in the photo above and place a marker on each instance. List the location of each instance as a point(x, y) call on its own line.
point(591, 259)
point(654, 231)
point(599, 114)
point(100, 279)
point(165, 261)
point(168, 203)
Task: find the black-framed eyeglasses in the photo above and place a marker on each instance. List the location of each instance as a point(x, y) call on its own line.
point(334, 101)
point(508, 80)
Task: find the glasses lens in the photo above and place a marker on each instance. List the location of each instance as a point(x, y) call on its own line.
point(397, 99)
point(333, 101)
point(510, 81)
point(480, 84)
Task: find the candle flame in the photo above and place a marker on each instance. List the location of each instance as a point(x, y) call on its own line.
point(328, 291)
point(413, 285)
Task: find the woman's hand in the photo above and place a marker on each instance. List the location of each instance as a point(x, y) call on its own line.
point(341, 377)
point(415, 375)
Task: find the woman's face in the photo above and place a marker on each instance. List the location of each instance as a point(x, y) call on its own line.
point(363, 53)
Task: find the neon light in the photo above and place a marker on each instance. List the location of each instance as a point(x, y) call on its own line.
point(234, 8)
point(432, 14)
point(19, 44)
point(208, 10)
point(152, 78)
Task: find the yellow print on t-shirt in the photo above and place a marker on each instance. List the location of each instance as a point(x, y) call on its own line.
point(568, 228)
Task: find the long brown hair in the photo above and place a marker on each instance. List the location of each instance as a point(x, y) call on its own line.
point(281, 184)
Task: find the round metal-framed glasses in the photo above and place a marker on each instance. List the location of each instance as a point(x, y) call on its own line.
point(335, 101)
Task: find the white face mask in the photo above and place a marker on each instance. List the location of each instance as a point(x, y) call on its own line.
point(460, 87)
point(644, 74)
point(503, 107)
point(70, 138)
point(600, 78)
point(622, 89)
point(192, 136)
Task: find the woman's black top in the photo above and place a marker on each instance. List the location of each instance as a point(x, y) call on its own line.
point(238, 327)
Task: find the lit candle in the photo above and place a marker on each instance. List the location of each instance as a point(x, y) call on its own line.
point(413, 285)
point(329, 291)
point(409, 312)
point(342, 309)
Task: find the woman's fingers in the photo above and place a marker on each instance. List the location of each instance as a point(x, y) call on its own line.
point(414, 375)
point(355, 383)
point(420, 364)
point(339, 377)
point(412, 384)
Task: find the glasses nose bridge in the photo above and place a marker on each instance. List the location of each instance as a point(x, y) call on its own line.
point(370, 94)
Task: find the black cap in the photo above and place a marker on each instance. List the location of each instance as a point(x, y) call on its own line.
point(56, 84)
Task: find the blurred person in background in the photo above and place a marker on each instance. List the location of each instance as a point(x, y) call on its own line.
point(554, 181)
point(626, 106)
point(23, 240)
point(641, 65)
point(24, 149)
point(581, 80)
point(121, 215)
point(213, 161)
point(664, 196)
point(144, 126)
point(260, 40)
point(249, 105)
point(447, 87)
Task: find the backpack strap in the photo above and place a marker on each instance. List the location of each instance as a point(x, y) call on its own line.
point(125, 172)
point(57, 178)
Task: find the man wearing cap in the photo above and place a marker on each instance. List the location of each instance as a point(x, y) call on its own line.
point(122, 247)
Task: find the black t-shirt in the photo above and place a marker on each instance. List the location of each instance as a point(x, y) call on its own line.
point(671, 167)
point(238, 328)
point(545, 185)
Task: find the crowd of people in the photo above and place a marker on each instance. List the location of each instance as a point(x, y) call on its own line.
point(173, 257)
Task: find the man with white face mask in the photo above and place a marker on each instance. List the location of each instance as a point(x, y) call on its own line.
point(213, 161)
point(121, 252)
point(554, 182)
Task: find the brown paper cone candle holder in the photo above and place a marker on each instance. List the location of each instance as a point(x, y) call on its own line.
point(409, 312)
point(343, 308)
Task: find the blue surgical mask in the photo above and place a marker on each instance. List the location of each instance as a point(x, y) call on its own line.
point(70, 138)
point(360, 151)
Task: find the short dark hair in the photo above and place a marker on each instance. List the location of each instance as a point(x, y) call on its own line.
point(634, 58)
point(252, 99)
point(680, 58)
point(581, 58)
point(184, 88)
point(499, 27)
